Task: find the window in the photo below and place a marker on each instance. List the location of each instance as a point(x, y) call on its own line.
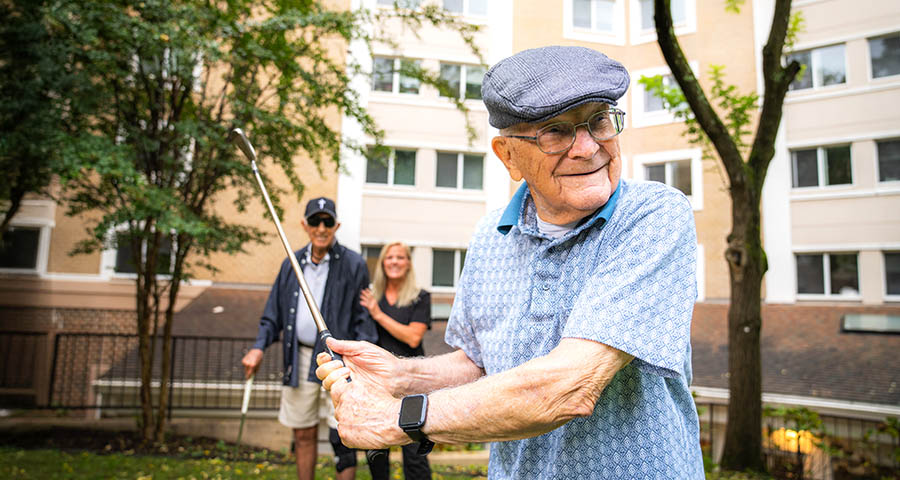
point(387, 76)
point(19, 248)
point(679, 14)
point(884, 53)
point(125, 260)
point(831, 274)
point(889, 160)
point(675, 174)
point(465, 80)
point(653, 102)
point(371, 253)
point(892, 273)
point(822, 166)
point(824, 66)
point(446, 266)
point(594, 15)
point(398, 168)
point(870, 323)
point(460, 170)
point(469, 7)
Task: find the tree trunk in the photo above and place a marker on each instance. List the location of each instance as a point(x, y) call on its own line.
point(746, 261)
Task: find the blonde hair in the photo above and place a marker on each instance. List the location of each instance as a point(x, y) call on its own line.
point(408, 289)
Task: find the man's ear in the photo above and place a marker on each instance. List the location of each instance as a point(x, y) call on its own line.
point(502, 149)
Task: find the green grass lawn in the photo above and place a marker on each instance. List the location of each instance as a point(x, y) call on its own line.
point(54, 464)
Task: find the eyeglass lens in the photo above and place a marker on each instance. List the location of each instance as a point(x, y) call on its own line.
point(315, 221)
point(558, 137)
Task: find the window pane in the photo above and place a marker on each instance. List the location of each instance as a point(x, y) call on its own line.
point(450, 73)
point(446, 170)
point(652, 102)
point(164, 258)
point(806, 168)
point(405, 167)
point(370, 253)
point(837, 160)
point(885, 53)
point(383, 74)
point(889, 160)
point(655, 173)
point(473, 171)
point(892, 272)
point(830, 65)
point(810, 274)
point(681, 176)
point(455, 6)
point(19, 248)
point(408, 84)
point(844, 274)
point(679, 12)
point(647, 22)
point(462, 260)
point(376, 168)
point(805, 78)
point(478, 7)
point(474, 76)
point(581, 13)
point(124, 257)
point(442, 268)
point(603, 15)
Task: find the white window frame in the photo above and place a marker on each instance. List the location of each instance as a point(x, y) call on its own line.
point(695, 155)
point(390, 4)
point(640, 118)
point(815, 53)
point(887, 297)
point(826, 272)
point(639, 35)
point(395, 76)
point(878, 180)
point(457, 271)
point(616, 37)
point(390, 168)
point(463, 71)
point(460, 165)
point(44, 227)
point(465, 11)
point(871, 73)
point(822, 169)
point(108, 256)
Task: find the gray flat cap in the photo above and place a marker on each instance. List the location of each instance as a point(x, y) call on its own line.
point(534, 85)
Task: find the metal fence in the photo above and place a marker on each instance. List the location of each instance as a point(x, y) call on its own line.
point(101, 373)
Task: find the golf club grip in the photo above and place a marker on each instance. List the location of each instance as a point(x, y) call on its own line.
point(325, 335)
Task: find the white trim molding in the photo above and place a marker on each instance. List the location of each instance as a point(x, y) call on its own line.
point(867, 410)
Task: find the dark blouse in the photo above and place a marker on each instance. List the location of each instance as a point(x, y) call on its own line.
point(418, 311)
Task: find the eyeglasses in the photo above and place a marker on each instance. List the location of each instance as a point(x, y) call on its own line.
point(559, 137)
point(315, 221)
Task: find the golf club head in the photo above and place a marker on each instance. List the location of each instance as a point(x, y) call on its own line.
point(238, 138)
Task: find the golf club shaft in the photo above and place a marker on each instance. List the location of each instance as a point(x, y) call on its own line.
point(237, 136)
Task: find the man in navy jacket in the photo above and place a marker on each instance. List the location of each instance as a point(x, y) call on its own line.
point(336, 276)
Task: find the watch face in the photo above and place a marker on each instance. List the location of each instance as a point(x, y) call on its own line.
point(411, 411)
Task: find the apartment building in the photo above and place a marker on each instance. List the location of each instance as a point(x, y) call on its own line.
point(831, 218)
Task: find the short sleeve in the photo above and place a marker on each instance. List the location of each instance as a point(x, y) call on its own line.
point(422, 309)
point(641, 295)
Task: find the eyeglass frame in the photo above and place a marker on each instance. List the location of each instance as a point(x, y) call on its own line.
point(586, 125)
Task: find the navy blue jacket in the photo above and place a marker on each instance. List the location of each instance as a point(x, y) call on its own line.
point(345, 318)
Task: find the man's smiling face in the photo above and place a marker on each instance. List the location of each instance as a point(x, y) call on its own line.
point(570, 185)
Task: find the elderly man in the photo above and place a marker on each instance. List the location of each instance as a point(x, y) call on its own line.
point(572, 318)
point(335, 276)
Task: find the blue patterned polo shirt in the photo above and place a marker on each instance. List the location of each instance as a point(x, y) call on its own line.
point(625, 278)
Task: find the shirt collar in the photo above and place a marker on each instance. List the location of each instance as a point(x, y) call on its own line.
point(513, 212)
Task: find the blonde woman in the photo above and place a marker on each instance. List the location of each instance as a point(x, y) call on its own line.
point(402, 313)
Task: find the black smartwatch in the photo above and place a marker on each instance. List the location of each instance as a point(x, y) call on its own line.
point(413, 410)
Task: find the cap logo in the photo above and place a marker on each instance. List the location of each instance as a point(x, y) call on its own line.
point(321, 203)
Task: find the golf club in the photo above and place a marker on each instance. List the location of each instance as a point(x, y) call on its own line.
point(246, 403)
point(237, 136)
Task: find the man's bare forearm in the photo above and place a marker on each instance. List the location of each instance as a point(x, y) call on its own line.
point(527, 401)
point(427, 374)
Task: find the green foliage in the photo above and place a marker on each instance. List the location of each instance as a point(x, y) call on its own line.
point(733, 6)
point(796, 25)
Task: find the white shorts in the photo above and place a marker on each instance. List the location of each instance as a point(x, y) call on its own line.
point(302, 407)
